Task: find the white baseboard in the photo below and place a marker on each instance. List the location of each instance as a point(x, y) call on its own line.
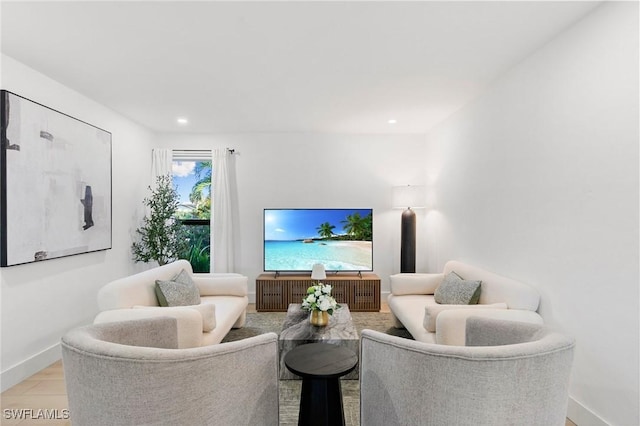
point(30, 366)
point(582, 416)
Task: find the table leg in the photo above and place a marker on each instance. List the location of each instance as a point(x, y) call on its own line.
point(321, 403)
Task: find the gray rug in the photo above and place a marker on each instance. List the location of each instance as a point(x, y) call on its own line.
point(264, 322)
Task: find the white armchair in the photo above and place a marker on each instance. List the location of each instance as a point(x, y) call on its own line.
point(132, 373)
point(223, 303)
point(515, 374)
point(413, 305)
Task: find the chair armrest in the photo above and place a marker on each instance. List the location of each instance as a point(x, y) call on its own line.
point(160, 333)
point(221, 284)
point(451, 325)
point(189, 321)
point(402, 284)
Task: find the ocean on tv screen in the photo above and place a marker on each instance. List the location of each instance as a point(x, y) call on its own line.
point(301, 256)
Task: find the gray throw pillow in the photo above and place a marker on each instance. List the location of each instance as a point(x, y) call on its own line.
point(179, 291)
point(455, 291)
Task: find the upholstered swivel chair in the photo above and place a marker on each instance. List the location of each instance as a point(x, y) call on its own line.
point(510, 373)
point(129, 373)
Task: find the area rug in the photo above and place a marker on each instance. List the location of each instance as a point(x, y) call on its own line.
point(264, 322)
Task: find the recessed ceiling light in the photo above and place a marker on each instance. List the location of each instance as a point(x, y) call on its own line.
point(182, 121)
point(392, 121)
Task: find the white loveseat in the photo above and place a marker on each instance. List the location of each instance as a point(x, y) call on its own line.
point(223, 303)
point(413, 305)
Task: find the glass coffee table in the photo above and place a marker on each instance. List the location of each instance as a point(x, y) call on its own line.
point(297, 331)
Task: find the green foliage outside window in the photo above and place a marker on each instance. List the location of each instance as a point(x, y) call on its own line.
point(194, 212)
point(201, 192)
point(198, 250)
point(199, 204)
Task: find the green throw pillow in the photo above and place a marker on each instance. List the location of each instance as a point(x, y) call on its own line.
point(455, 291)
point(179, 291)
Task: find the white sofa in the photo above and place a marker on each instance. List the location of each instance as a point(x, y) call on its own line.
point(413, 305)
point(223, 304)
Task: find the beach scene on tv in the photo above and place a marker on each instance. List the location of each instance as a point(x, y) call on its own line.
point(296, 239)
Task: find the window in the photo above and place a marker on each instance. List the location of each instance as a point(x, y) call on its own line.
point(192, 173)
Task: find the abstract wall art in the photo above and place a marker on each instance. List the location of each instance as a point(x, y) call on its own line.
point(55, 179)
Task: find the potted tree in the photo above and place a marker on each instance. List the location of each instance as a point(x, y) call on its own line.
point(161, 237)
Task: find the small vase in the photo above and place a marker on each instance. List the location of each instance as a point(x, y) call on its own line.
point(319, 318)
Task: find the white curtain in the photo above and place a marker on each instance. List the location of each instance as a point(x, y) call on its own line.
point(161, 162)
point(222, 229)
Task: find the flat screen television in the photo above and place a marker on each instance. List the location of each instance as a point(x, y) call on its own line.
point(296, 239)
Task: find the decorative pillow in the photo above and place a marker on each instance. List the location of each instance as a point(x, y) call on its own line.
point(179, 291)
point(456, 291)
point(431, 312)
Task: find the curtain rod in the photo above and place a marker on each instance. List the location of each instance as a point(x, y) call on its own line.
point(185, 153)
point(231, 150)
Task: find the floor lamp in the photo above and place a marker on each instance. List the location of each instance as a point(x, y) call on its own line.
point(408, 197)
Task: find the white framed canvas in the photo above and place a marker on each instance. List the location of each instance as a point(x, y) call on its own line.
point(55, 178)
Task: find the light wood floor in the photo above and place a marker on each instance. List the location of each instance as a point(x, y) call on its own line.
point(45, 390)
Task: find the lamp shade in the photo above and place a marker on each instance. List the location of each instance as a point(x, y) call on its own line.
point(317, 272)
point(409, 196)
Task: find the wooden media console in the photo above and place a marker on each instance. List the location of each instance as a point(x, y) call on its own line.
point(362, 294)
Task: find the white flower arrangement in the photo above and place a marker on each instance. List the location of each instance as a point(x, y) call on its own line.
point(319, 299)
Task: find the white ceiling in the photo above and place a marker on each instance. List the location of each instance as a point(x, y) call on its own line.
point(341, 67)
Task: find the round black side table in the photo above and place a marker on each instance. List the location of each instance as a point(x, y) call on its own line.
point(321, 365)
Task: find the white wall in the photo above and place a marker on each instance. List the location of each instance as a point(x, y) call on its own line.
point(317, 170)
point(538, 180)
point(41, 301)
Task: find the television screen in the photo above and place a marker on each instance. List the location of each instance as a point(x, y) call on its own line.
point(296, 239)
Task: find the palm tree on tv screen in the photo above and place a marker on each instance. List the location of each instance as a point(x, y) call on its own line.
point(325, 230)
point(358, 227)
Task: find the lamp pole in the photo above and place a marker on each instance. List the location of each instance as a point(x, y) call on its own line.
point(408, 197)
point(408, 241)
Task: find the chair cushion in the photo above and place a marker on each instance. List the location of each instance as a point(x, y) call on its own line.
point(455, 291)
point(431, 312)
point(206, 310)
point(495, 332)
point(179, 291)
